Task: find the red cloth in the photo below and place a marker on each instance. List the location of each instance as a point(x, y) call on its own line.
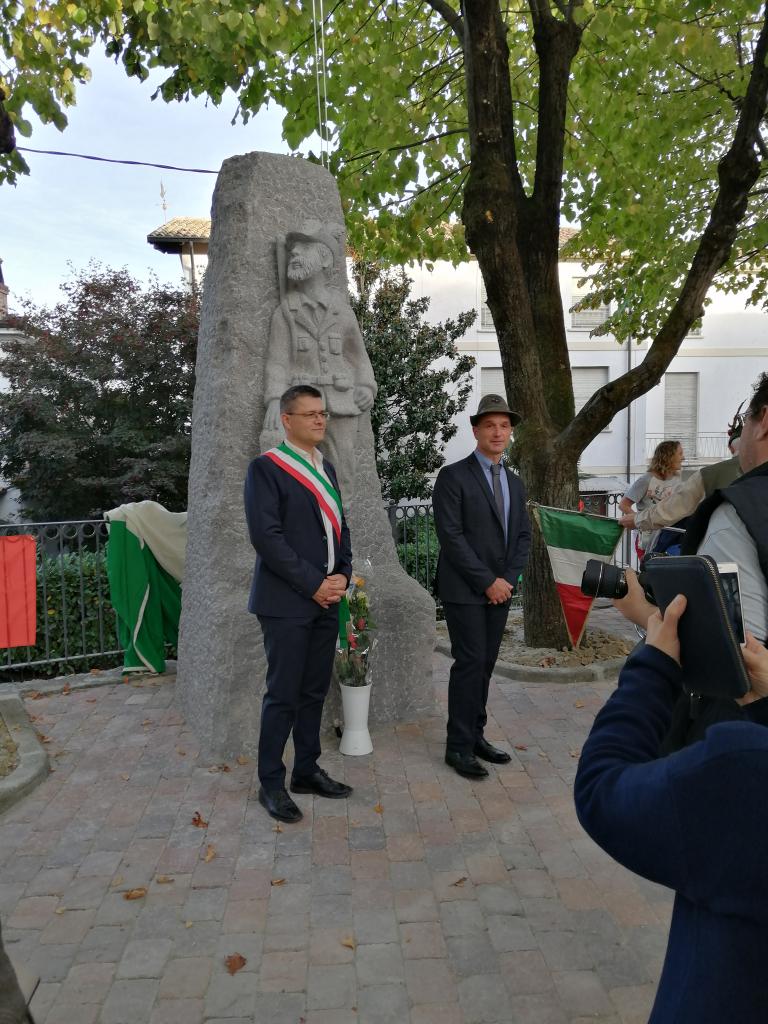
point(18, 592)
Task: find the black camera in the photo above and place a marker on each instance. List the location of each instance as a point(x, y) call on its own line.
point(603, 580)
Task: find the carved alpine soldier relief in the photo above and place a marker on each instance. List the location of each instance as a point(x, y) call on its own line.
point(315, 339)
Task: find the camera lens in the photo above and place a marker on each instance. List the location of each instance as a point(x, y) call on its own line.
point(602, 580)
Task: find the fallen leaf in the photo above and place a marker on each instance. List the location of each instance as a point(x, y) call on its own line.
point(277, 828)
point(578, 703)
point(124, 776)
point(242, 759)
point(219, 768)
point(574, 753)
point(147, 721)
point(95, 672)
point(520, 746)
point(235, 962)
point(489, 216)
point(547, 662)
point(117, 880)
point(90, 700)
point(460, 881)
point(60, 910)
point(33, 695)
point(66, 689)
point(181, 753)
point(378, 808)
point(126, 679)
point(277, 881)
point(210, 853)
point(198, 821)
point(187, 924)
point(164, 879)
point(135, 894)
point(349, 943)
point(43, 738)
point(542, 753)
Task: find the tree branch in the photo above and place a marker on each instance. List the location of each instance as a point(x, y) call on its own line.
point(450, 16)
point(737, 172)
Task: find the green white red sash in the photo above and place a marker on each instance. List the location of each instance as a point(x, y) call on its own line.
point(326, 495)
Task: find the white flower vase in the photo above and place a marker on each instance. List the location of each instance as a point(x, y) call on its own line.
point(356, 739)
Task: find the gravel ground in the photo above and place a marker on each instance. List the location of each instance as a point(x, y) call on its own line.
point(8, 758)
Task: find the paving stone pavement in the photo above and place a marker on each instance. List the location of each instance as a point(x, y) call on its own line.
point(424, 899)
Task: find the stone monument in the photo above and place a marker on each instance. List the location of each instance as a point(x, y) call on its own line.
point(275, 313)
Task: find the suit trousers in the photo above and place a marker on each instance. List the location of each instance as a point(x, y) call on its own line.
point(475, 631)
point(300, 653)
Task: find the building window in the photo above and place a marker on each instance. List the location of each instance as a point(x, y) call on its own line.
point(585, 319)
point(492, 381)
point(486, 320)
point(681, 410)
point(586, 381)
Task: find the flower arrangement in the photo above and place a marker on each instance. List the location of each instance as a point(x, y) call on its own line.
point(352, 656)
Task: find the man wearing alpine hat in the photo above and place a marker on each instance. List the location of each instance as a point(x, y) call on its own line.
point(303, 564)
point(485, 536)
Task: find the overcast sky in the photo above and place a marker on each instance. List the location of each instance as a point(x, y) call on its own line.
point(69, 210)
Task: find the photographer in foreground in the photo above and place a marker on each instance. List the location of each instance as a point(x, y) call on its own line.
point(695, 821)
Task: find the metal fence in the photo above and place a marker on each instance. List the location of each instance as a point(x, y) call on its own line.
point(76, 626)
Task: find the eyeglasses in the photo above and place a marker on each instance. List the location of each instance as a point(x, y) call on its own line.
point(323, 414)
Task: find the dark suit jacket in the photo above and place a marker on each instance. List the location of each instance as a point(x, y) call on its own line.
point(286, 529)
point(471, 534)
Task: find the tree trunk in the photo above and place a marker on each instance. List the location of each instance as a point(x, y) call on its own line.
point(548, 481)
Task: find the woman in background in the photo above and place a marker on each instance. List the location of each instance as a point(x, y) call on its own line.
point(663, 477)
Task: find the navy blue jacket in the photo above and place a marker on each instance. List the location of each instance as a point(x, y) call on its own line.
point(286, 529)
point(696, 821)
point(473, 552)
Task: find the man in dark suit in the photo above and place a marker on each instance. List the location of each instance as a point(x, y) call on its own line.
point(303, 565)
point(485, 535)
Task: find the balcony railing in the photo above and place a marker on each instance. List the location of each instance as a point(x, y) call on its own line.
point(696, 448)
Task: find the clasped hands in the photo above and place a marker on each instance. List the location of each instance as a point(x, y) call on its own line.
point(331, 590)
point(499, 592)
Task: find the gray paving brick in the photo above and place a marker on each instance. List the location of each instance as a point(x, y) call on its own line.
point(144, 958)
point(379, 964)
point(129, 1002)
point(484, 999)
point(278, 1008)
point(374, 926)
point(331, 987)
point(461, 917)
point(472, 954)
point(382, 1004)
point(231, 996)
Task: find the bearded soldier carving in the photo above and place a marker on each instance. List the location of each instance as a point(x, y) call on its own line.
point(315, 339)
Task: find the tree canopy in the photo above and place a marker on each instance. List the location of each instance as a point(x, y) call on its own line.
point(652, 102)
point(476, 127)
point(424, 381)
point(99, 405)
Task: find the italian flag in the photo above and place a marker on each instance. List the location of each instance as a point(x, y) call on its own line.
point(571, 539)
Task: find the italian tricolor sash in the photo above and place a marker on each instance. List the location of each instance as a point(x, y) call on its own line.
point(326, 495)
point(572, 538)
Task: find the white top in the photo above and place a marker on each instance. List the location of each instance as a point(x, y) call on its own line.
point(315, 457)
point(727, 540)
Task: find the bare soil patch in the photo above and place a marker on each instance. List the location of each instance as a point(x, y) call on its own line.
point(9, 757)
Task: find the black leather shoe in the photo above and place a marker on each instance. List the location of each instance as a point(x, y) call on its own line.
point(466, 765)
point(279, 805)
point(321, 784)
point(488, 752)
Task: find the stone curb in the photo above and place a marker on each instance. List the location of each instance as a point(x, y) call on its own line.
point(33, 760)
point(598, 673)
point(78, 681)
